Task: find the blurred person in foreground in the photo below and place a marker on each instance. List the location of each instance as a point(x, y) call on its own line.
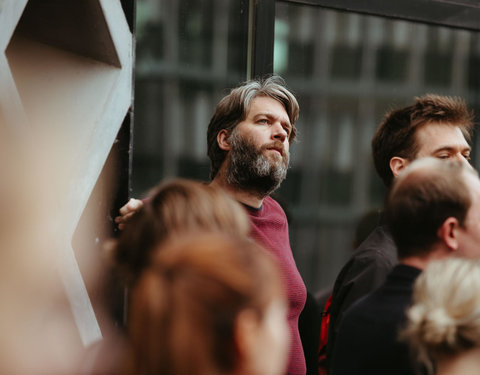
point(209, 304)
point(433, 212)
point(248, 143)
point(176, 208)
point(434, 126)
point(443, 325)
point(38, 333)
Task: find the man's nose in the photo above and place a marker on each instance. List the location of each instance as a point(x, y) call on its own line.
point(279, 132)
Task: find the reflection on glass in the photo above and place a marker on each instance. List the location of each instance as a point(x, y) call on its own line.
point(348, 70)
point(188, 53)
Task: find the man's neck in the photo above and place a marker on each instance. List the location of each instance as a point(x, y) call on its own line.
point(242, 196)
point(421, 262)
point(466, 363)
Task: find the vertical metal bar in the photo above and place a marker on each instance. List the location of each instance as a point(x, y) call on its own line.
point(124, 145)
point(262, 29)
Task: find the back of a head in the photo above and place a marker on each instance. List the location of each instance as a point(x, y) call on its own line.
point(176, 208)
point(395, 135)
point(421, 199)
point(444, 319)
point(184, 307)
point(233, 109)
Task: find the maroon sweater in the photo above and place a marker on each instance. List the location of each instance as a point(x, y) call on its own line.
point(270, 228)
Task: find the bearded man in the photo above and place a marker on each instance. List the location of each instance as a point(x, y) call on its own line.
point(248, 142)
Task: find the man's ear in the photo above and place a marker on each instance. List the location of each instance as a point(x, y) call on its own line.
point(397, 164)
point(448, 233)
point(223, 140)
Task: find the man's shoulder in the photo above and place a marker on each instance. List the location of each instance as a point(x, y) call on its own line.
point(377, 250)
point(271, 207)
point(373, 307)
point(366, 269)
point(378, 243)
point(271, 202)
point(391, 295)
point(361, 307)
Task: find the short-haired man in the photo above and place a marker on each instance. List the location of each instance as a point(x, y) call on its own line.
point(248, 142)
point(435, 126)
point(433, 212)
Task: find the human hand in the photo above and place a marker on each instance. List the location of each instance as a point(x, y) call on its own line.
point(127, 211)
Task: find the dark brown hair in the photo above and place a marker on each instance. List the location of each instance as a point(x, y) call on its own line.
point(233, 109)
point(395, 135)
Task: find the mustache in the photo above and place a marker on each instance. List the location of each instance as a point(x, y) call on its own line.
point(277, 145)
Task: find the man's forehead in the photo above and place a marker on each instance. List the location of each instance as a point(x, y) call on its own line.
point(262, 100)
point(267, 106)
point(437, 135)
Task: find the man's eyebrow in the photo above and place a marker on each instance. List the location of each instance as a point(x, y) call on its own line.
point(450, 148)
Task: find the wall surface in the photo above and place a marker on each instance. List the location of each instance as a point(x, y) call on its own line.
point(66, 87)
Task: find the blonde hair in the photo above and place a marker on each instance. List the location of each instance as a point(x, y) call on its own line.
point(444, 318)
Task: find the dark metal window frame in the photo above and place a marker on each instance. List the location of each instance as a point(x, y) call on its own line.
point(463, 14)
point(262, 29)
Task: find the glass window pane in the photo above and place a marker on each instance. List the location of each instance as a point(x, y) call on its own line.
point(348, 70)
point(188, 53)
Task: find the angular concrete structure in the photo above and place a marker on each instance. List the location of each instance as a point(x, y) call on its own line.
point(66, 86)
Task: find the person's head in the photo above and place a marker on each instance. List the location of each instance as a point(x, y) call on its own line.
point(176, 208)
point(436, 126)
point(251, 131)
point(435, 203)
point(212, 304)
point(444, 319)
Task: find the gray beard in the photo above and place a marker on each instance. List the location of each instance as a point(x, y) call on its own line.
point(249, 169)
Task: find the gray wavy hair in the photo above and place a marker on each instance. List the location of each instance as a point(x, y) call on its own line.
point(233, 109)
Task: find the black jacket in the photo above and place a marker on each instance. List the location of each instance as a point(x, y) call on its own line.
point(366, 270)
point(367, 340)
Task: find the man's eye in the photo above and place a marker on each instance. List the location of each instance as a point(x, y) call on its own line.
point(443, 156)
point(467, 157)
point(263, 121)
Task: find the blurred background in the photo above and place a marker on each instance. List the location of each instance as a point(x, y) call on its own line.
point(348, 64)
point(85, 123)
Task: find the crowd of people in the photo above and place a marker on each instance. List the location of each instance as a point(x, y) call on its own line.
point(213, 285)
point(434, 126)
